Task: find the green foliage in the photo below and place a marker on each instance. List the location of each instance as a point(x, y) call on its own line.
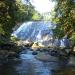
point(13, 12)
point(65, 17)
point(58, 32)
point(6, 16)
point(73, 36)
point(36, 16)
point(23, 12)
point(3, 39)
point(14, 39)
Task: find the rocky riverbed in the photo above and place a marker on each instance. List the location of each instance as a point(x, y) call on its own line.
point(27, 64)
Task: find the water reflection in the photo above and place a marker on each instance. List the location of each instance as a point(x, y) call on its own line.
point(28, 65)
point(8, 69)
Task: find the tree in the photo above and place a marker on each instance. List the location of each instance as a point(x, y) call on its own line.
point(11, 13)
point(65, 17)
point(23, 12)
point(7, 8)
point(37, 16)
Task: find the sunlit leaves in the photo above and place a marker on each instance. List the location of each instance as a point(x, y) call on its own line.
point(73, 36)
point(36, 16)
point(66, 19)
point(13, 12)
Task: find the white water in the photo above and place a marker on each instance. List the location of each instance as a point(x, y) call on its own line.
point(39, 31)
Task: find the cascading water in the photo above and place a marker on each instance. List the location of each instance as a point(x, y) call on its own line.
point(40, 31)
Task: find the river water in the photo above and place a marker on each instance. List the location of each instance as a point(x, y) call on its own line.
point(26, 64)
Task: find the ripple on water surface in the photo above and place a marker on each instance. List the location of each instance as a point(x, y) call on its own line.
point(28, 65)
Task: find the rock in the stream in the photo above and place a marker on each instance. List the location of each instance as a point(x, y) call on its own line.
point(71, 61)
point(12, 54)
point(46, 57)
point(62, 53)
point(34, 53)
point(54, 53)
point(35, 46)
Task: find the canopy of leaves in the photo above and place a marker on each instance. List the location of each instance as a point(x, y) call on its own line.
point(65, 17)
point(37, 16)
point(11, 13)
point(23, 12)
point(7, 8)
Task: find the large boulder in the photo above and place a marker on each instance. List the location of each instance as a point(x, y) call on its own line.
point(35, 46)
point(46, 57)
point(71, 61)
point(54, 53)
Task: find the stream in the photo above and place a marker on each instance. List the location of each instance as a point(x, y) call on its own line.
point(26, 64)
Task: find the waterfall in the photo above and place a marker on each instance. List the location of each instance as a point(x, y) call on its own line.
point(39, 31)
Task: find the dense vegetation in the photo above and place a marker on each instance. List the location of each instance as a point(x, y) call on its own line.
point(65, 18)
point(13, 12)
point(6, 17)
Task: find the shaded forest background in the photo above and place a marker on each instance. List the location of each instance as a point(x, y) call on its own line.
point(64, 18)
point(13, 12)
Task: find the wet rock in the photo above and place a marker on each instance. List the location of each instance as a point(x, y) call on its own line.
point(54, 53)
point(71, 61)
point(35, 46)
point(67, 51)
point(31, 49)
point(34, 53)
point(27, 45)
point(63, 53)
point(46, 57)
point(12, 55)
point(41, 49)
